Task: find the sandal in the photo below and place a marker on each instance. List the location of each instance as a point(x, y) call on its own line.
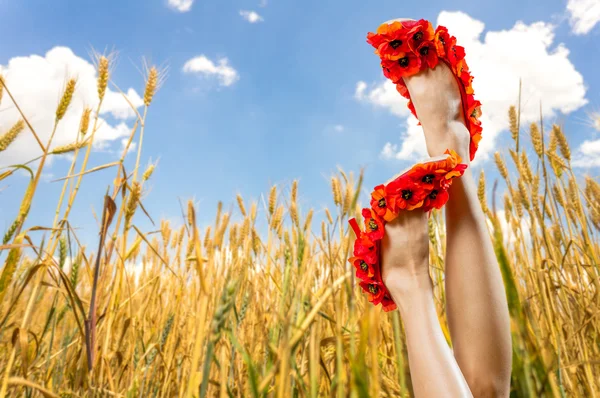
point(407, 47)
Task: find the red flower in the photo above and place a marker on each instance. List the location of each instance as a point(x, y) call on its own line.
point(428, 53)
point(440, 39)
point(365, 248)
point(475, 138)
point(390, 41)
point(387, 303)
point(428, 174)
point(382, 203)
point(473, 110)
point(455, 53)
point(422, 31)
point(457, 171)
point(437, 198)
point(407, 65)
point(410, 194)
point(402, 89)
point(364, 270)
point(375, 290)
point(373, 225)
point(411, 107)
point(462, 71)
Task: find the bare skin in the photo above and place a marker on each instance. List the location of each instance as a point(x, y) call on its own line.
point(477, 308)
point(405, 272)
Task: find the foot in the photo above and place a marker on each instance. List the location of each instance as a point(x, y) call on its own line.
point(405, 251)
point(438, 104)
point(436, 97)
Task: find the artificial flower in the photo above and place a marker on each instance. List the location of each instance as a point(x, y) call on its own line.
point(402, 89)
point(436, 199)
point(364, 270)
point(427, 174)
point(390, 41)
point(382, 203)
point(455, 53)
point(365, 248)
point(387, 303)
point(428, 53)
point(440, 38)
point(407, 65)
point(422, 31)
point(375, 290)
point(373, 224)
point(410, 194)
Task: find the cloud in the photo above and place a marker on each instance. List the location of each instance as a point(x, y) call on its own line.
point(251, 16)
point(221, 70)
point(588, 154)
point(584, 15)
point(180, 5)
point(383, 95)
point(339, 128)
point(37, 82)
point(498, 61)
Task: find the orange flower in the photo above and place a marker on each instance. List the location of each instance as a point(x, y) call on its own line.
point(475, 138)
point(462, 71)
point(390, 41)
point(420, 31)
point(428, 53)
point(454, 157)
point(382, 203)
point(387, 28)
point(427, 174)
point(440, 39)
point(473, 110)
point(364, 270)
point(407, 65)
point(410, 194)
point(373, 225)
point(375, 291)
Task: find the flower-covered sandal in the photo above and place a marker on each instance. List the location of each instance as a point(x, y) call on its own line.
point(407, 47)
point(424, 187)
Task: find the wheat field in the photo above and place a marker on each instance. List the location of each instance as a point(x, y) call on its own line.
point(238, 310)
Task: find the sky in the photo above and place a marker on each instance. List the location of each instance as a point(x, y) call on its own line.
point(258, 92)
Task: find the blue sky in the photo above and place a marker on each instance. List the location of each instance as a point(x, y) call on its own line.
point(294, 112)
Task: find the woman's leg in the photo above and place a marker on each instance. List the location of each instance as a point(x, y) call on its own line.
point(405, 272)
point(477, 309)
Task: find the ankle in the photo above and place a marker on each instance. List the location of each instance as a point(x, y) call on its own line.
point(404, 281)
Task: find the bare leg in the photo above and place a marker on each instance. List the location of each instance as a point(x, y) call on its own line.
point(405, 271)
point(477, 309)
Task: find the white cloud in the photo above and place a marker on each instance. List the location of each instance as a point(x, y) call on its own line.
point(339, 128)
point(587, 155)
point(584, 15)
point(221, 70)
point(181, 5)
point(383, 95)
point(413, 143)
point(497, 61)
point(37, 83)
point(251, 16)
